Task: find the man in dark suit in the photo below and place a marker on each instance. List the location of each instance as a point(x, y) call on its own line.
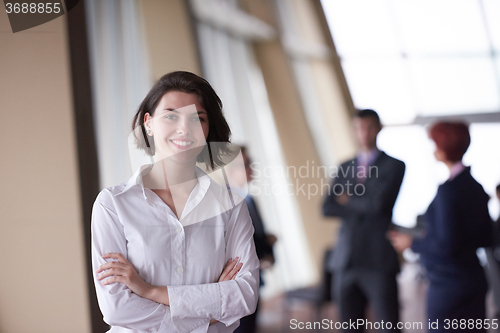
point(364, 262)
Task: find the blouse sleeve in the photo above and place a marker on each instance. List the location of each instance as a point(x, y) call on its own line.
point(226, 301)
point(119, 305)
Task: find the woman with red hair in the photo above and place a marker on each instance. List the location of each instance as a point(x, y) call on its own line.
point(458, 223)
point(452, 141)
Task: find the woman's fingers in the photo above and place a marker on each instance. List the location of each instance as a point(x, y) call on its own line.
point(110, 272)
point(227, 268)
point(121, 270)
point(118, 256)
point(230, 270)
point(234, 272)
point(108, 265)
point(113, 279)
point(113, 271)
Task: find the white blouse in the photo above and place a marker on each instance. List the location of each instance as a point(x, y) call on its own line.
point(187, 255)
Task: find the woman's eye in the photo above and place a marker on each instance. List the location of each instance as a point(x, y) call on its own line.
point(198, 119)
point(171, 116)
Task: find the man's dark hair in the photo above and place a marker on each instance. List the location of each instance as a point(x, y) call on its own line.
point(369, 113)
point(498, 188)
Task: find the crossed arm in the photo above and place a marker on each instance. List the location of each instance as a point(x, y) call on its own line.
point(123, 271)
point(377, 198)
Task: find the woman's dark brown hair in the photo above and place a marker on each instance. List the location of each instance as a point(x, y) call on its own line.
point(218, 129)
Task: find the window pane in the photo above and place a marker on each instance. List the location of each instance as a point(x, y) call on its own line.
point(430, 26)
point(497, 63)
point(361, 27)
point(492, 12)
point(423, 173)
point(461, 85)
point(412, 145)
point(485, 163)
point(381, 85)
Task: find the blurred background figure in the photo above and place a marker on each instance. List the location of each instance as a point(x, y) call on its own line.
point(458, 223)
point(493, 263)
point(498, 197)
point(363, 195)
point(239, 177)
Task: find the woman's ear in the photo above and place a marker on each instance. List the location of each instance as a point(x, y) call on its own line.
point(147, 123)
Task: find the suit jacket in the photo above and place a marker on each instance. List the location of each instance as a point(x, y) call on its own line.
point(362, 241)
point(262, 246)
point(458, 222)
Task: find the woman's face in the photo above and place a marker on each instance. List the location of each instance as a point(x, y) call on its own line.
point(179, 127)
point(440, 155)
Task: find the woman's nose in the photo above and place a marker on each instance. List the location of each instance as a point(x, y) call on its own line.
point(183, 126)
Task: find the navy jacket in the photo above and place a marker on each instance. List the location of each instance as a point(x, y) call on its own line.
point(262, 246)
point(458, 222)
point(362, 241)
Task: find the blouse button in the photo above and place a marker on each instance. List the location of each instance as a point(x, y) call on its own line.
point(179, 269)
point(179, 230)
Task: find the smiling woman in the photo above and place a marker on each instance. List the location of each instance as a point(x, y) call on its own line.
point(171, 249)
point(190, 93)
point(179, 126)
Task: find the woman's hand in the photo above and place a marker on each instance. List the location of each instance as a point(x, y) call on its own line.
point(399, 240)
point(230, 270)
point(123, 271)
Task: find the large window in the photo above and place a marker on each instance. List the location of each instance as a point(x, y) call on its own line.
point(414, 61)
point(419, 57)
point(229, 65)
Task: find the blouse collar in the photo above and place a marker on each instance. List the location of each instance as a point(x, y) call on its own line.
point(136, 179)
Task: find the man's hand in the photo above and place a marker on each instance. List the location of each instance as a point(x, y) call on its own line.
point(343, 199)
point(399, 240)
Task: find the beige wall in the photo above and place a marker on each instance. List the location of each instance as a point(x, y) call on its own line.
point(42, 285)
point(169, 36)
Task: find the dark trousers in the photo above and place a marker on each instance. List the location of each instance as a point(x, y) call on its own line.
point(354, 289)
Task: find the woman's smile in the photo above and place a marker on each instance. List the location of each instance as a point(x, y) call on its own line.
point(179, 125)
point(182, 143)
